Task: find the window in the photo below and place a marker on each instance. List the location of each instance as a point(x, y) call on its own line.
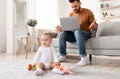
point(46, 14)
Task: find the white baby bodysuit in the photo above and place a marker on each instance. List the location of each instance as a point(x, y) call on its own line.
point(46, 55)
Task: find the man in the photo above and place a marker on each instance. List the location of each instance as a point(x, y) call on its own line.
point(87, 22)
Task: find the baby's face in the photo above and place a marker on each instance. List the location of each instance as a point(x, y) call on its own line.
point(46, 40)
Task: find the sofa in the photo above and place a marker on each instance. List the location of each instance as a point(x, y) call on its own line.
point(106, 41)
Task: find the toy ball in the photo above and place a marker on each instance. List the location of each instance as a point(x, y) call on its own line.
point(29, 67)
point(34, 67)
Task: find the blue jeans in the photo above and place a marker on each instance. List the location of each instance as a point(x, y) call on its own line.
point(78, 36)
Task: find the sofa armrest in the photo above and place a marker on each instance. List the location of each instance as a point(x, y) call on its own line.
point(108, 29)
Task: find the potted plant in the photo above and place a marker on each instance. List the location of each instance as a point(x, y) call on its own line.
point(31, 23)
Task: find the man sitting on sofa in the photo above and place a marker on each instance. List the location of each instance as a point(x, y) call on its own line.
point(87, 22)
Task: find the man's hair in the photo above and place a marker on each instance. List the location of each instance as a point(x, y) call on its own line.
point(71, 1)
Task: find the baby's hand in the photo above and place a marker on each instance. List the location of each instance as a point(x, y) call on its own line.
point(57, 64)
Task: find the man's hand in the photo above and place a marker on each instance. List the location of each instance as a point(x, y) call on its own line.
point(58, 29)
point(93, 25)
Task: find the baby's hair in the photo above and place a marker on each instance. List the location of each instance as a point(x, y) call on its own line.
point(48, 34)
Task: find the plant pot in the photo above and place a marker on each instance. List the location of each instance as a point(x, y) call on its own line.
point(32, 31)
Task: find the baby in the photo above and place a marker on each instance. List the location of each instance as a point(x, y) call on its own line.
point(46, 56)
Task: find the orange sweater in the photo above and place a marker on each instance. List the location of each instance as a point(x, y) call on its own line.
point(86, 17)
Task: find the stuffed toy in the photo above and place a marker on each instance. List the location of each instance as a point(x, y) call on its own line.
point(31, 67)
point(62, 70)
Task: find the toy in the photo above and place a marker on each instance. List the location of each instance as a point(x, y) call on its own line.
point(62, 70)
point(31, 67)
point(34, 67)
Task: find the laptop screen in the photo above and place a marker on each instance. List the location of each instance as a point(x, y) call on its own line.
point(70, 23)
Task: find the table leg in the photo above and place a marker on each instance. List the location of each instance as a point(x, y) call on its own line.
point(18, 49)
point(27, 48)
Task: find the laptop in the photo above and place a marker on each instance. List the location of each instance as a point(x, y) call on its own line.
point(69, 23)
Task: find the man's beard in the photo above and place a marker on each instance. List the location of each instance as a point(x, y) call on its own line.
point(76, 10)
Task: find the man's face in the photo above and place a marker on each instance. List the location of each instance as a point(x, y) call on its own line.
point(75, 6)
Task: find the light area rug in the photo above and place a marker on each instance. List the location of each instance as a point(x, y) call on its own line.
point(18, 70)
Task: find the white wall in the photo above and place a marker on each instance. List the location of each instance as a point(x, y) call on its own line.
point(94, 6)
point(63, 8)
point(3, 8)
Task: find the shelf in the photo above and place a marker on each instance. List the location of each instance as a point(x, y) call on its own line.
point(110, 17)
point(112, 7)
point(109, 10)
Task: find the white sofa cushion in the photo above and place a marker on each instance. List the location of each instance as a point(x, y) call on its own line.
point(105, 42)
